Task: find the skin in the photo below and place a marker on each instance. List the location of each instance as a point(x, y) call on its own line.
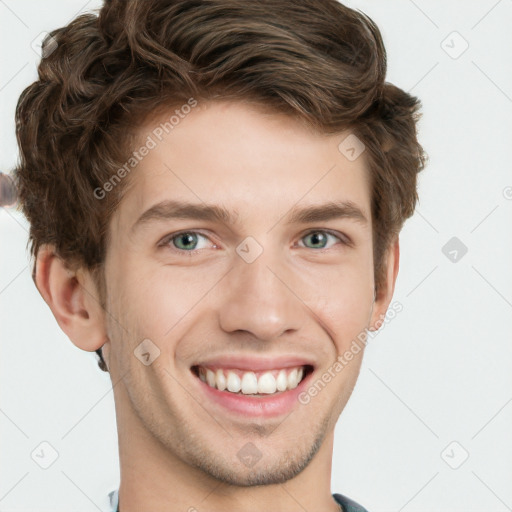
point(178, 450)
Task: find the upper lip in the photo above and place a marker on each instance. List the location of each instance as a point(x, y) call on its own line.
point(256, 363)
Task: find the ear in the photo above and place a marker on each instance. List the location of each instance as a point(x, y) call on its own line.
point(385, 294)
point(73, 299)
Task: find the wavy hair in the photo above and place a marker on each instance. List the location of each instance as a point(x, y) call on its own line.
point(316, 60)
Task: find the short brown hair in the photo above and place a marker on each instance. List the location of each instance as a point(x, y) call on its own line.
point(316, 60)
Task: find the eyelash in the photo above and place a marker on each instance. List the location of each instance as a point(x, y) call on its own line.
point(166, 242)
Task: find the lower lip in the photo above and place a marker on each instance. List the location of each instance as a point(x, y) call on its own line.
point(256, 406)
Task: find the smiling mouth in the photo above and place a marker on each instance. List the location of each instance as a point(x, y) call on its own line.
point(253, 383)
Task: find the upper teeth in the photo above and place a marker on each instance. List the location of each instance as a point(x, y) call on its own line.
point(248, 383)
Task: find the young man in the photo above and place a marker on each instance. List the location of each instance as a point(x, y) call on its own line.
point(215, 190)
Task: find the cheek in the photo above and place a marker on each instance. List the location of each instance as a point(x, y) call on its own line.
point(344, 303)
point(159, 302)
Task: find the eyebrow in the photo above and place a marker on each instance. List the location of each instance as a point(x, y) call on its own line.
point(174, 209)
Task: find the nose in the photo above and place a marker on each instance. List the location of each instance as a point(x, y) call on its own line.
point(258, 298)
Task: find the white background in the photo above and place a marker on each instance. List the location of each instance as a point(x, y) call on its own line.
point(439, 372)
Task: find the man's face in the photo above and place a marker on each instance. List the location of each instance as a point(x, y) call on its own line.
point(265, 290)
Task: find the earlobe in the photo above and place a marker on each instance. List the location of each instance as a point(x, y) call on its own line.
point(72, 298)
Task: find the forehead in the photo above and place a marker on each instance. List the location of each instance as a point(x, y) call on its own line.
point(254, 164)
